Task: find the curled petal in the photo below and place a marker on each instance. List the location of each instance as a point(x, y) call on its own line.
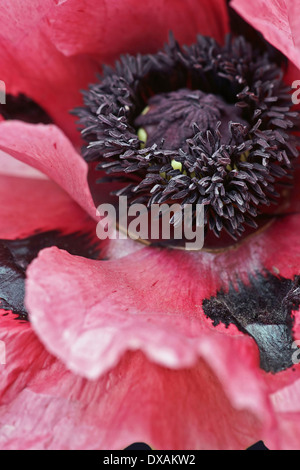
point(111, 313)
point(11, 167)
point(47, 149)
point(277, 20)
point(35, 213)
point(45, 407)
point(31, 205)
point(101, 316)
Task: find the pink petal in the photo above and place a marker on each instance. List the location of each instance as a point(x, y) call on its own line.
point(30, 205)
point(12, 167)
point(286, 406)
point(127, 311)
point(111, 27)
point(136, 402)
point(277, 20)
point(46, 148)
point(31, 64)
point(100, 316)
point(44, 406)
point(25, 356)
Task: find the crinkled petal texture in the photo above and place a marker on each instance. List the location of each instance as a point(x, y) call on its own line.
point(48, 48)
point(277, 20)
point(44, 406)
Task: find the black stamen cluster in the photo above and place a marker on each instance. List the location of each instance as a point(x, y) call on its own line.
point(232, 174)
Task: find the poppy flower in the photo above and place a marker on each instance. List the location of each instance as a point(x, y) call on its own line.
point(111, 342)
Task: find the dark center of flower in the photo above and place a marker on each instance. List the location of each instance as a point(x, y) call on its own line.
point(170, 117)
point(204, 124)
point(23, 108)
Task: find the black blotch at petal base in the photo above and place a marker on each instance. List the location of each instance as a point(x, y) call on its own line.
point(262, 309)
point(16, 255)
